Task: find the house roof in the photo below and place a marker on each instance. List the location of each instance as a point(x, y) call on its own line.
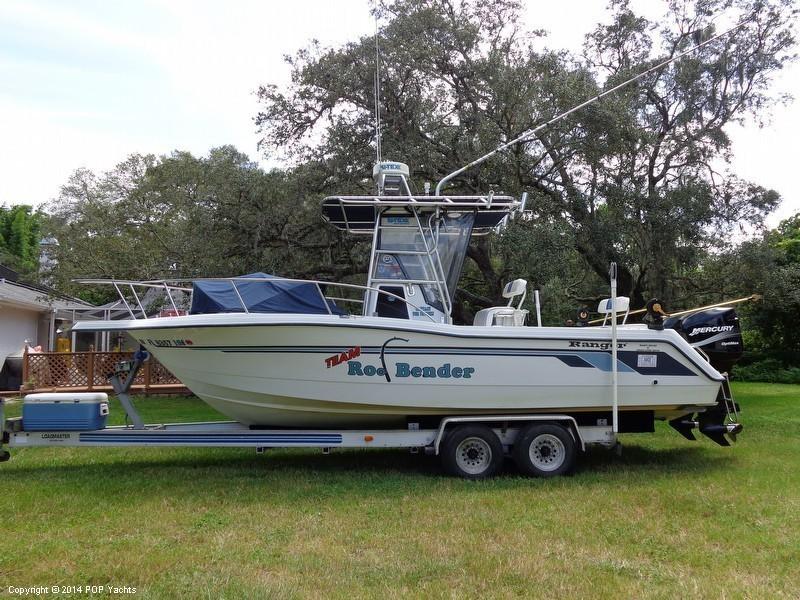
point(45, 299)
point(28, 297)
point(6, 273)
point(34, 297)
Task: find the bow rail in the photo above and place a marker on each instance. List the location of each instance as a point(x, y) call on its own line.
point(170, 286)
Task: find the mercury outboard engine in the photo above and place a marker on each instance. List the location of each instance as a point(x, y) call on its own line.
point(716, 332)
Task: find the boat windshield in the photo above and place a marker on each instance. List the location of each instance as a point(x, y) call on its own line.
point(404, 254)
point(454, 233)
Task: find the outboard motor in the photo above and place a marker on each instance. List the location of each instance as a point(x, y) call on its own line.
point(716, 332)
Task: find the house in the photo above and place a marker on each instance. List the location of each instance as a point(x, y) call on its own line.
point(36, 315)
point(32, 314)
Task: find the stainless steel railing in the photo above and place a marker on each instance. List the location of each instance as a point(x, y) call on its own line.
point(179, 285)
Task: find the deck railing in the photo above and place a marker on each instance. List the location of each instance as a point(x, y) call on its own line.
point(88, 371)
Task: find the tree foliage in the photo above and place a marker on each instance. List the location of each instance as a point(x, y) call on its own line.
point(180, 216)
point(776, 317)
point(20, 229)
point(769, 266)
point(634, 178)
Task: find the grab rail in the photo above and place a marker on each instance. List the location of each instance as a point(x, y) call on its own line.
point(364, 223)
point(478, 202)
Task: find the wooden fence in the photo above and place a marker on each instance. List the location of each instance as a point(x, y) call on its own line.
point(89, 371)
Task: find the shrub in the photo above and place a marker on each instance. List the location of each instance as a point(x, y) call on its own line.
point(769, 370)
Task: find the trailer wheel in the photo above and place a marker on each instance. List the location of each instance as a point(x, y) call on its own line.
point(472, 452)
point(4, 455)
point(544, 450)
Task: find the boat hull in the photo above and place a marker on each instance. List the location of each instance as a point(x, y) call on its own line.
point(323, 371)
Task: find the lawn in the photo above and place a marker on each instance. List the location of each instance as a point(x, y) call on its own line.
point(668, 518)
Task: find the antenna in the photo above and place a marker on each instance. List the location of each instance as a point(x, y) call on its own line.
point(528, 134)
point(377, 94)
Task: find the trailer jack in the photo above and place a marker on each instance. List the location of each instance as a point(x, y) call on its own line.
point(122, 380)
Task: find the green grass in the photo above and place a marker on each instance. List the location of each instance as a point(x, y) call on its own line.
point(668, 518)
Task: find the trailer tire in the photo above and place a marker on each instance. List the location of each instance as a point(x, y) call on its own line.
point(4, 455)
point(472, 452)
point(545, 450)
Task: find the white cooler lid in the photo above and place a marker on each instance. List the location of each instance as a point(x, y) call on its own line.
point(67, 397)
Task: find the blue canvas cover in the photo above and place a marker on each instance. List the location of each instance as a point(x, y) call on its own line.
point(260, 296)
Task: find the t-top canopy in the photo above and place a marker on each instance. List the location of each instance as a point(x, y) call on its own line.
point(356, 214)
point(259, 296)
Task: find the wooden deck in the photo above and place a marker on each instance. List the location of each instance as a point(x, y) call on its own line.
point(89, 372)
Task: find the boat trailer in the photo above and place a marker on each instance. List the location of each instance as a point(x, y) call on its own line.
point(470, 446)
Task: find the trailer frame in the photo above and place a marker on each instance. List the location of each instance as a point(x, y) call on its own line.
point(231, 434)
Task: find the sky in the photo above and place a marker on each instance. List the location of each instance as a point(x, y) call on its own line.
point(84, 83)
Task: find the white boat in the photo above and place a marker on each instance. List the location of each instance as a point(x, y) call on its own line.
point(280, 352)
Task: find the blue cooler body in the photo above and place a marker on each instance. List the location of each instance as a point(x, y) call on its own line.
point(64, 412)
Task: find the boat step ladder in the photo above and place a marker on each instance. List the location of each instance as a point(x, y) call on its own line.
point(730, 403)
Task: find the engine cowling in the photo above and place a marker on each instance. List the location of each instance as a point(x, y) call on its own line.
point(716, 331)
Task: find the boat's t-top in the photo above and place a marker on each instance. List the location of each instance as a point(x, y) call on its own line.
point(418, 242)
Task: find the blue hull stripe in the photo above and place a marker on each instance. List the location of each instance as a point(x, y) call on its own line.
point(140, 334)
point(598, 359)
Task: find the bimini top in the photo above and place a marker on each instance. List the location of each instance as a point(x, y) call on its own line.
point(357, 214)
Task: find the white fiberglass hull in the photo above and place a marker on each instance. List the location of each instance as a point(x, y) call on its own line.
point(326, 371)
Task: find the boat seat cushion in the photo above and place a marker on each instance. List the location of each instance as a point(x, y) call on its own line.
point(500, 316)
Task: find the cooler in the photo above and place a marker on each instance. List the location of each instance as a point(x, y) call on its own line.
point(64, 412)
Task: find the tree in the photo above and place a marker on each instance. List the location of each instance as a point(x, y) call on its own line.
point(20, 233)
point(776, 317)
point(633, 178)
point(669, 199)
point(769, 266)
point(180, 216)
